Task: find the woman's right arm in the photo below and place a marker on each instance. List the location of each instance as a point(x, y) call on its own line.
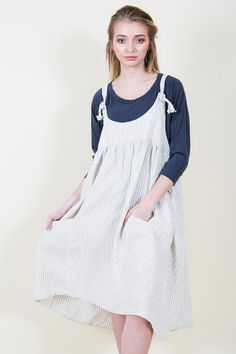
point(96, 125)
point(96, 129)
point(68, 204)
point(73, 199)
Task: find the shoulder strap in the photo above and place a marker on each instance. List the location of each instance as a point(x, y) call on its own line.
point(101, 107)
point(104, 92)
point(162, 96)
point(162, 83)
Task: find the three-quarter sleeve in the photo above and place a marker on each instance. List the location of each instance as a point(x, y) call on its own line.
point(178, 132)
point(96, 125)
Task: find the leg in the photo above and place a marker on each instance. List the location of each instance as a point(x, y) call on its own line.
point(136, 336)
point(118, 322)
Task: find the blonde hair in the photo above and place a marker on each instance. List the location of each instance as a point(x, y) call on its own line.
point(132, 13)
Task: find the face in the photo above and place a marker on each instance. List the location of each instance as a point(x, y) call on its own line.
point(130, 40)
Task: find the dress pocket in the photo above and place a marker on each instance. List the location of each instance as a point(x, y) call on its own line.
point(139, 245)
point(135, 227)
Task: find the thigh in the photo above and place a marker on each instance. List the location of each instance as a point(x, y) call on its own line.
point(118, 319)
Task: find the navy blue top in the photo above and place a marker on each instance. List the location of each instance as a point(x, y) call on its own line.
point(177, 123)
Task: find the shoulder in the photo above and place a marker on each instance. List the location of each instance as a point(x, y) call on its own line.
point(173, 85)
point(97, 98)
point(174, 90)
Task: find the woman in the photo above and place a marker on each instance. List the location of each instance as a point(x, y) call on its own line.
point(113, 255)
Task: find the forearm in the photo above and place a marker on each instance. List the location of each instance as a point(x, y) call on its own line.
point(73, 199)
point(159, 188)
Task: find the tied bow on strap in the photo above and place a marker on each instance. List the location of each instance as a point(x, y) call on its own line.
point(100, 111)
point(171, 108)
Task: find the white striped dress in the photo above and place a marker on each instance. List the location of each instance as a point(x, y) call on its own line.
point(90, 264)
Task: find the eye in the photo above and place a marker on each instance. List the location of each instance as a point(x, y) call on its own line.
point(120, 39)
point(138, 40)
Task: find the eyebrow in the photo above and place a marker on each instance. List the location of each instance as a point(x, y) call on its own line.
point(137, 35)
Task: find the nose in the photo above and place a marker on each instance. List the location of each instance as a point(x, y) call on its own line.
point(130, 46)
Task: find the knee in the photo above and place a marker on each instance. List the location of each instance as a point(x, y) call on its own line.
point(140, 320)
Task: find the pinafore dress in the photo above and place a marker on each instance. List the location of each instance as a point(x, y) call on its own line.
point(90, 264)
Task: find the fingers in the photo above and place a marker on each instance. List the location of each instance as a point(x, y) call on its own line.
point(49, 224)
point(127, 216)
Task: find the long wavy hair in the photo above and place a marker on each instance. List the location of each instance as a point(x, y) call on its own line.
point(132, 13)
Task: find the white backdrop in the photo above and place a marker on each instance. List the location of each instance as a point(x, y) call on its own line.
point(52, 60)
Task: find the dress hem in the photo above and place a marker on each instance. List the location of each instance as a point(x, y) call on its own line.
point(161, 337)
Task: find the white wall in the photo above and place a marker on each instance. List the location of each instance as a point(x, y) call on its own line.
point(52, 60)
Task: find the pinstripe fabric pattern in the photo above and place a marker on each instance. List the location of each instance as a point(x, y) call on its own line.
point(90, 264)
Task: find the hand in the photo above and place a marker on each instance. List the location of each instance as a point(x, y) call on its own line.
point(56, 215)
point(142, 210)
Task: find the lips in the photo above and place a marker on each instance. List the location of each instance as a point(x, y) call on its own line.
point(131, 57)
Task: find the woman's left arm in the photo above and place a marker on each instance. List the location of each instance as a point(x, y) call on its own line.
point(178, 133)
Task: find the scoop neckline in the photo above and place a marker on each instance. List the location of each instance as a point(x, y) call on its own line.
point(137, 98)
